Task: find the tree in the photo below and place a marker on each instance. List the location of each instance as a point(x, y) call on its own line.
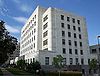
point(7, 43)
point(93, 65)
point(57, 62)
point(21, 64)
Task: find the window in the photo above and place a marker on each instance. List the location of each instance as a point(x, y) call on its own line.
point(74, 28)
point(82, 61)
point(35, 16)
point(30, 33)
point(63, 41)
point(68, 19)
point(31, 60)
point(68, 26)
point(69, 34)
point(34, 30)
point(81, 52)
point(64, 61)
point(76, 59)
point(45, 18)
point(64, 50)
point(71, 61)
point(30, 40)
point(62, 25)
point(34, 45)
point(69, 42)
point(34, 37)
point(80, 44)
point(45, 26)
point(62, 17)
point(35, 23)
point(79, 29)
point(63, 33)
point(88, 61)
point(76, 51)
point(70, 51)
point(80, 37)
point(45, 42)
point(46, 60)
point(75, 43)
point(75, 35)
point(73, 20)
point(45, 34)
point(94, 51)
point(78, 21)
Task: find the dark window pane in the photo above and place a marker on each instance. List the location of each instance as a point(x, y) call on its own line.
point(73, 20)
point(62, 17)
point(68, 19)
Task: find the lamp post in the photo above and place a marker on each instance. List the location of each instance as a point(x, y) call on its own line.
point(98, 54)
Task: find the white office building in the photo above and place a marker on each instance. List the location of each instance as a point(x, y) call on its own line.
point(50, 32)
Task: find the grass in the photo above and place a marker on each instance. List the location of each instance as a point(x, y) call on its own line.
point(16, 71)
point(1, 72)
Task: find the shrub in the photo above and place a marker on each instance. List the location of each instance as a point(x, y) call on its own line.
point(64, 74)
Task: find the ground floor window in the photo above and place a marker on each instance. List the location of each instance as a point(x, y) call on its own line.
point(46, 60)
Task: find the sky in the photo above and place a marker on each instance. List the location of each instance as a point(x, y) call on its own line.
point(16, 12)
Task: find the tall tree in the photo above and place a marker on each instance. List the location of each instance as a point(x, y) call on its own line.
point(93, 65)
point(7, 43)
point(57, 62)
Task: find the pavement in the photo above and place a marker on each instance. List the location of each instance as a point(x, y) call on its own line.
point(6, 73)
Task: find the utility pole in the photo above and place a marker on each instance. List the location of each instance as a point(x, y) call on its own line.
point(98, 54)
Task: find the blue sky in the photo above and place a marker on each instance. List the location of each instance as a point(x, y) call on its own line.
point(16, 12)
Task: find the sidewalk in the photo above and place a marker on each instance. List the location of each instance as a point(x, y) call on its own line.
point(6, 73)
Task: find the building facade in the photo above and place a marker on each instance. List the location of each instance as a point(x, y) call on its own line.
point(94, 51)
point(95, 54)
point(50, 32)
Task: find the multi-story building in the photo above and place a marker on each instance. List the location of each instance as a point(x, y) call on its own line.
point(50, 32)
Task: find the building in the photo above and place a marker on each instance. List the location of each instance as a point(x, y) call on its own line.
point(50, 32)
point(94, 52)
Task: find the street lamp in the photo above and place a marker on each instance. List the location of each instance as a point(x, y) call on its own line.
point(98, 54)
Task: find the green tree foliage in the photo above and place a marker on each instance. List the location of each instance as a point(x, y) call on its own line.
point(21, 64)
point(7, 43)
point(93, 64)
point(57, 61)
point(32, 67)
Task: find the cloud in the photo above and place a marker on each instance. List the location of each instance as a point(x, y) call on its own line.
point(3, 8)
point(24, 7)
point(20, 19)
point(12, 29)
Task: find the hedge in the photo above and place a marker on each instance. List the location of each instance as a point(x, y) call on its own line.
point(64, 73)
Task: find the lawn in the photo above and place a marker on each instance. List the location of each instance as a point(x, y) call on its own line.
point(16, 71)
point(0, 72)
